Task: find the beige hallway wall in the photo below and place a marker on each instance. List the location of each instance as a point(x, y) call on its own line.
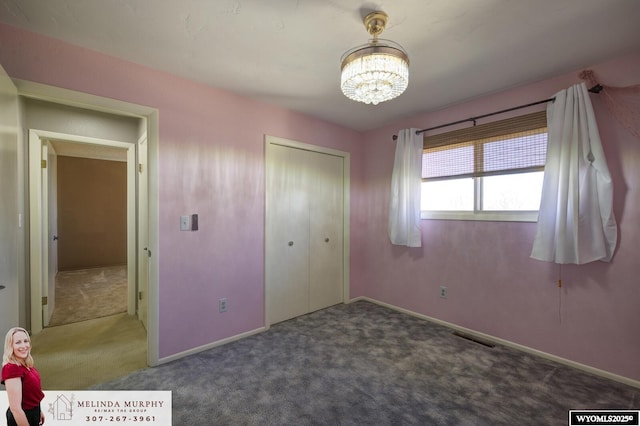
point(92, 213)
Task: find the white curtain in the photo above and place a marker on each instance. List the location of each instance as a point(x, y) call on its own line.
point(404, 205)
point(576, 222)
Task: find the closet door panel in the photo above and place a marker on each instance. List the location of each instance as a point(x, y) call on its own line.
point(287, 235)
point(326, 231)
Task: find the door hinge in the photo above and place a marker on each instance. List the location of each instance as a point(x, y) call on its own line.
point(43, 163)
point(44, 301)
point(139, 167)
point(139, 295)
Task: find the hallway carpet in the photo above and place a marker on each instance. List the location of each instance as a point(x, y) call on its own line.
point(89, 293)
point(77, 356)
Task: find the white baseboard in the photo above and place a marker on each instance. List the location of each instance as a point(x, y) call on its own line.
point(483, 336)
point(210, 345)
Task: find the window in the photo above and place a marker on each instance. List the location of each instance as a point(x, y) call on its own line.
point(492, 171)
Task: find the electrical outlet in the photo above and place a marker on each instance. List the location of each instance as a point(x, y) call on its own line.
point(222, 305)
point(443, 292)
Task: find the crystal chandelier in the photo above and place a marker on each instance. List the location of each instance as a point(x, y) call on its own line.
point(377, 71)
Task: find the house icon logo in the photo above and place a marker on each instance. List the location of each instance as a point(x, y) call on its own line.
point(62, 407)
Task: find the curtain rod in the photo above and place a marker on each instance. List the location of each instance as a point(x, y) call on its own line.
point(595, 89)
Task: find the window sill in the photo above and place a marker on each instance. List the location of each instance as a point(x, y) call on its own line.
point(498, 216)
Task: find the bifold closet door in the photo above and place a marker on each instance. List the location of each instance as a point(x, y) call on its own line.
point(325, 231)
point(287, 234)
point(304, 232)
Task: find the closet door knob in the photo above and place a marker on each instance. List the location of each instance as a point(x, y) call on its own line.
point(326, 240)
point(290, 243)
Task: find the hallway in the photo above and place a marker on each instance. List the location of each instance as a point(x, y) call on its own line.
point(80, 355)
point(90, 338)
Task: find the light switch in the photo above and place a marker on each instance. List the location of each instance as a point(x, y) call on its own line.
point(185, 223)
point(194, 222)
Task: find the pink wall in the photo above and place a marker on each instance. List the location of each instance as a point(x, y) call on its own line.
point(494, 286)
point(211, 162)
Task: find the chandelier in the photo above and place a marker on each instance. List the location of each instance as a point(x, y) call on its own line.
point(377, 71)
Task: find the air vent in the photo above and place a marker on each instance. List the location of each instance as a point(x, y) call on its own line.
point(474, 339)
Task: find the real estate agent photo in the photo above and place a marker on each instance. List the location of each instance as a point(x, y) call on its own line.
point(21, 380)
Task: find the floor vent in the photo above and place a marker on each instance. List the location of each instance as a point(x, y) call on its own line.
point(474, 339)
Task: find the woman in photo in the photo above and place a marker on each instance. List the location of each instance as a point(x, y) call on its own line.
point(21, 380)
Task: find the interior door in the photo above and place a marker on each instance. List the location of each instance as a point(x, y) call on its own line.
point(305, 229)
point(38, 230)
point(287, 240)
point(143, 234)
point(41, 272)
point(326, 230)
point(9, 219)
point(52, 190)
point(48, 275)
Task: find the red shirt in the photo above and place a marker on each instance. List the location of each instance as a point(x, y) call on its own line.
point(31, 388)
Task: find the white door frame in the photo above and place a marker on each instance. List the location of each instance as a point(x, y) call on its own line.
point(142, 213)
point(113, 106)
point(273, 140)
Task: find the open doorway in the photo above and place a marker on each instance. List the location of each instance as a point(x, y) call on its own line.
point(78, 184)
point(88, 214)
point(140, 299)
point(147, 213)
point(85, 234)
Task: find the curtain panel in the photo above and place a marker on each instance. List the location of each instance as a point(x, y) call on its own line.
point(576, 223)
point(404, 200)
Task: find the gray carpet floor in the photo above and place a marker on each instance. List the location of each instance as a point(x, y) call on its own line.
point(364, 364)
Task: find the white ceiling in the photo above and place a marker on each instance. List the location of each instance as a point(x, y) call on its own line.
point(287, 52)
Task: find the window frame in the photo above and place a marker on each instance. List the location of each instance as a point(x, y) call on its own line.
point(477, 214)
